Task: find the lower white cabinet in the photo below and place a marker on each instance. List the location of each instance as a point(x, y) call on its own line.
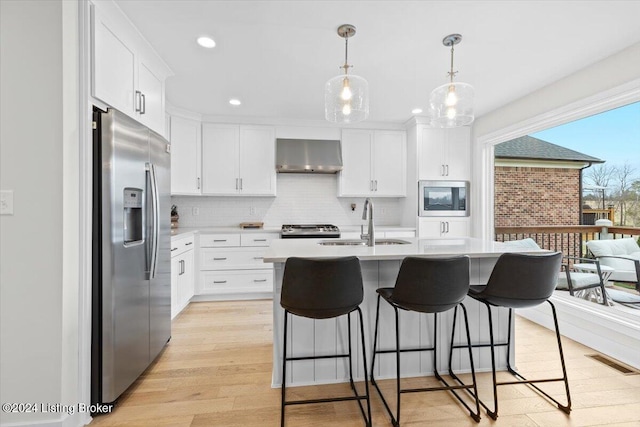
point(182, 272)
point(232, 267)
point(443, 227)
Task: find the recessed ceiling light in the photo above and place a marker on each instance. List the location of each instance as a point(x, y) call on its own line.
point(234, 101)
point(416, 111)
point(207, 42)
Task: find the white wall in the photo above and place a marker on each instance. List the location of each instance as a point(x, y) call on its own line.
point(302, 198)
point(38, 159)
point(531, 113)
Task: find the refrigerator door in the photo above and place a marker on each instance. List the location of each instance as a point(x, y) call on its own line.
point(160, 282)
point(125, 287)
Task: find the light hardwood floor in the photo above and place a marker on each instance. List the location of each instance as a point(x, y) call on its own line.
point(216, 371)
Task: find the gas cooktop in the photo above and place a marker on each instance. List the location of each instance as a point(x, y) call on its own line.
point(309, 231)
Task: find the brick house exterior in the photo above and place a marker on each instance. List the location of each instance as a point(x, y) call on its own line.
point(538, 183)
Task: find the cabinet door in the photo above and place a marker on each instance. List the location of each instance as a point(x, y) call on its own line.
point(151, 106)
point(457, 227)
point(220, 159)
point(430, 151)
point(257, 161)
point(113, 66)
point(458, 154)
point(355, 178)
point(186, 283)
point(443, 227)
point(185, 139)
point(175, 272)
point(430, 228)
point(389, 164)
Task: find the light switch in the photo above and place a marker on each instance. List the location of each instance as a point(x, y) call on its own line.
point(6, 202)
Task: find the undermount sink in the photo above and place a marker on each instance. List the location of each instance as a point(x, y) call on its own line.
point(343, 243)
point(391, 242)
point(362, 242)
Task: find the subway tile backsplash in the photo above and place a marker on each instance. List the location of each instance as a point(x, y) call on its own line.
point(302, 199)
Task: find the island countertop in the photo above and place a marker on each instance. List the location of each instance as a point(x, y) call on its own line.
point(282, 249)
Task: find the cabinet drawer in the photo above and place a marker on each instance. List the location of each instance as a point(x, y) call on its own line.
point(232, 258)
point(236, 281)
point(257, 239)
point(181, 244)
point(219, 240)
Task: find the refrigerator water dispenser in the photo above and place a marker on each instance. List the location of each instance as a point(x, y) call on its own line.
point(132, 216)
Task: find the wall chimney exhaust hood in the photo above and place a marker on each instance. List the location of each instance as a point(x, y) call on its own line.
point(308, 156)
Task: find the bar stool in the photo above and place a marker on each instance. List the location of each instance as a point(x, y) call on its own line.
point(427, 285)
point(323, 289)
point(519, 281)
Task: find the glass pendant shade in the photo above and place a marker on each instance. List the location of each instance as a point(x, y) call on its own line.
point(346, 99)
point(452, 105)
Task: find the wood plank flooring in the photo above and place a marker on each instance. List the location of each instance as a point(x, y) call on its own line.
point(216, 371)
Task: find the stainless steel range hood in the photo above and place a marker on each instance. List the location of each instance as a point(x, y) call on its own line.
point(308, 155)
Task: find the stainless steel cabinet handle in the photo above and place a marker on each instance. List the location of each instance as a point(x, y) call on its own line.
point(447, 170)
point(219, 240)
point(219, 259)
point(198, 183)
point(375, 185)
point(441, 227)
point(236, 183)
point(181, 268)
point(219, 281)
point(259, 280)
point(188, 243)
point(259, 240)
point(442, 170)
point(241, 183)
point(143, 107)
point(447, 226)
point(137, 102)
point(174, 249)
point(258, 257)
point(370, 185)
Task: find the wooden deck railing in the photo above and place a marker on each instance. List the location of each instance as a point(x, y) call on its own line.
point(570, 240)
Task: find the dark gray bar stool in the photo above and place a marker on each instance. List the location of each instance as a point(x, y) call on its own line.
point(519, 281)
point(323, 289)
point(428, 285)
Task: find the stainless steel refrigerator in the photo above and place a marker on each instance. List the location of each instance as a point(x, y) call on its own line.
point(131, 289)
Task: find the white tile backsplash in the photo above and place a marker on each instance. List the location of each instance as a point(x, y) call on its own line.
point(302, 198)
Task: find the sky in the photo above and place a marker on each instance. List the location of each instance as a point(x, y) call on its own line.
point(613, 136)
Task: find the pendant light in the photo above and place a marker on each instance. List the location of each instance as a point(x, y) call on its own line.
point(452, 103)
point(346, 97)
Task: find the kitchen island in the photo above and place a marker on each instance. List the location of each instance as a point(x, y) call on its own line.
point(380, 265)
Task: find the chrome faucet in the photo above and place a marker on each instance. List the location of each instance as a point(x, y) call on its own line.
point(368, 212)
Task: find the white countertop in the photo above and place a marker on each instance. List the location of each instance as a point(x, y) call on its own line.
point(280, 250)
point(275, 229)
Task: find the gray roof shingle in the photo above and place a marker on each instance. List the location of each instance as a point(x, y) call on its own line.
point(528, 147)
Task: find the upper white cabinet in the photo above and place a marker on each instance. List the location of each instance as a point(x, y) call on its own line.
point(127, 74)
point(238, 160)
point(445, 154)
point(186, 142)
point(374, 163)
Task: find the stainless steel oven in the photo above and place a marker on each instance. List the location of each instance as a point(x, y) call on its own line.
point(443, 198)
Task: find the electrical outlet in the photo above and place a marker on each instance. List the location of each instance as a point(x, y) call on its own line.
point(252, 211)
point(6, 202)
point(195, 211)
point(382, 211)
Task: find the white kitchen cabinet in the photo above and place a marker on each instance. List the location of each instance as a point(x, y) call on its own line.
point(182, 273)
point(238, 160)
point(232, 267)
point(374, 164)
point(186, 143)
point(443, 227)
point(127, 74)
point(445, 154)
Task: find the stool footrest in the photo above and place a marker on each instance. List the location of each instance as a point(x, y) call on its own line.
point(331, 356)
point(405, 350)
point(325, 400)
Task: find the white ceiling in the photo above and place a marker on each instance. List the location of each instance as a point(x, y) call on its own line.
point(277, 55)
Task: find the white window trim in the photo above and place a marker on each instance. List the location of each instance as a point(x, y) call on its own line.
point(619, 96)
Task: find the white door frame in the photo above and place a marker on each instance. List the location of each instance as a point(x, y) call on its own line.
point(619, 96)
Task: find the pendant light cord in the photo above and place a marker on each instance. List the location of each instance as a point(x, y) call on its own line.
point(451, 73)
point(346, 55)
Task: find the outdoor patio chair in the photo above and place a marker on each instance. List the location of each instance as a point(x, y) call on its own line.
point(568, 278)
point(623, 255)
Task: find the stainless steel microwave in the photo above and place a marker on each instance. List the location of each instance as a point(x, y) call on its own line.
point(443, 198)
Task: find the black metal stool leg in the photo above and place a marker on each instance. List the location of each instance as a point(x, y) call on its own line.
point(396, 422)
point(284, 369)
point(364, 363)
point(493, 414)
